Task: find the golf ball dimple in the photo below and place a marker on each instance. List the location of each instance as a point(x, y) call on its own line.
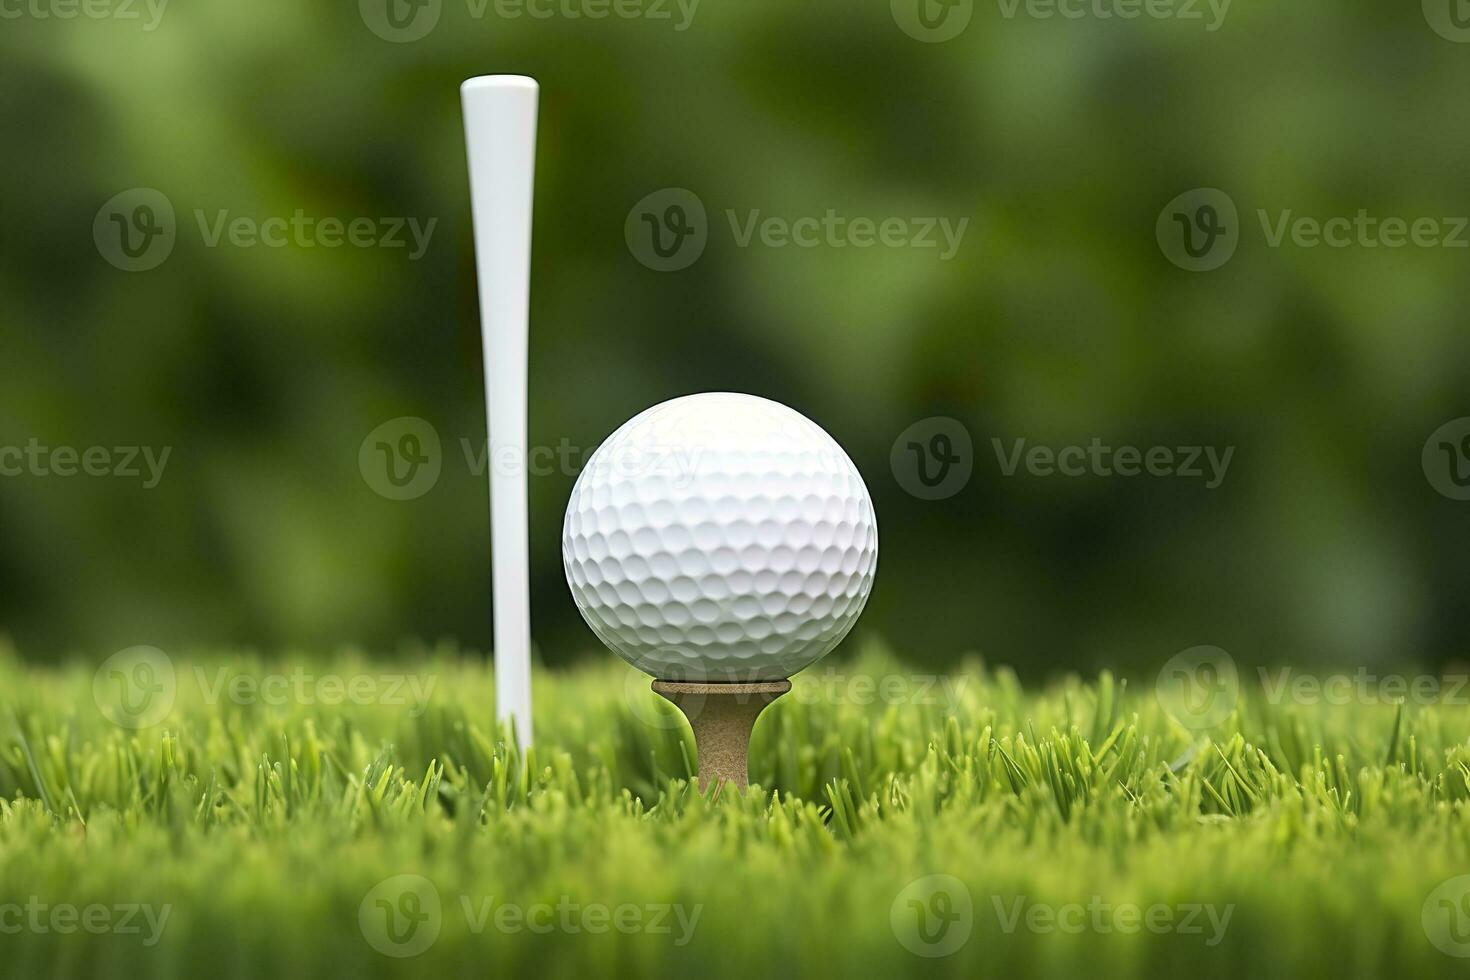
point(720, 537)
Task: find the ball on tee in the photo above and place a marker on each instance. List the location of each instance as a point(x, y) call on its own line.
point(720, 538)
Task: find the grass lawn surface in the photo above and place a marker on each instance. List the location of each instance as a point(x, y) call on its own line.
point(223, 816)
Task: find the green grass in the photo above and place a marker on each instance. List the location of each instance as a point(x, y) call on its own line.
point(1321, 831)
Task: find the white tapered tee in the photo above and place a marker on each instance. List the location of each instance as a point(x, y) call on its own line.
point(500, 135)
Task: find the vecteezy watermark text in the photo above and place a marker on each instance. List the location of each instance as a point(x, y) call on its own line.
point(136, 688)
point(1209, 463)
point(832, 685)
point(304, 687)
point(119, 462)
point(136, 230)
point(403, 458)
point(1210, 12)
point(834, 230)
point(1362, 230)
point(402, 916)
point(572, 917)
point(305, 231)
point(679, 13)
point(1200, 230)
point(933, 917)
point(96, 918)
point(148, 13)
point(1363, 686)
point(1201, 687)
point(933, 459)
point(1098, 916)
point(669, 229)
point(405, 21)
point(936, 21)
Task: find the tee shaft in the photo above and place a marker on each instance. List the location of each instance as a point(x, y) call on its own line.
point(722, 716)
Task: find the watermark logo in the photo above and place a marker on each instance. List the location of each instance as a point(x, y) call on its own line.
point(1450, 19)
point(1446, 459)
point(1446, 917)
point(933, 458)
point(135, 230)
point(401, 916)
point(1199, 687)
point(933, 21)
point(400, 21)
point(1199, 230)
point(135, 688)
point(667, 230)
point(401, 459)
point(933, 916)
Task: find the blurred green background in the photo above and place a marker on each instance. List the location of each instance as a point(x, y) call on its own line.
point(1059, 319)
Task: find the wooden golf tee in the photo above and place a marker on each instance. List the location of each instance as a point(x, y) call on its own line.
point(722, 716)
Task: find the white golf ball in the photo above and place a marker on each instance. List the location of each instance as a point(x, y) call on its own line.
point(720, 537)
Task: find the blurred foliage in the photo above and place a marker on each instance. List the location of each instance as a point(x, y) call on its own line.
point(1058, 321)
